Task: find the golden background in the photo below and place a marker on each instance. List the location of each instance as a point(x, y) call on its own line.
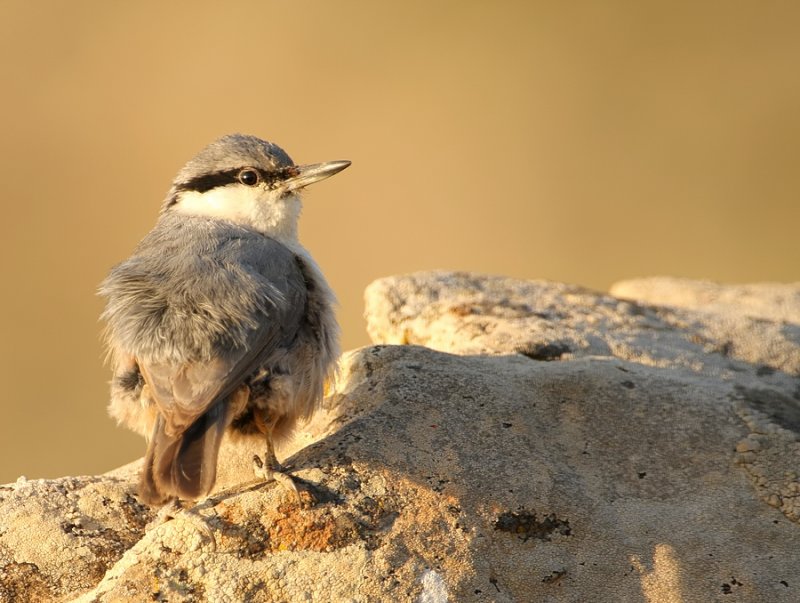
point(584, 142)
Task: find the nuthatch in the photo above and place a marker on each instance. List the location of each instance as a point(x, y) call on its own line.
point(220, 321)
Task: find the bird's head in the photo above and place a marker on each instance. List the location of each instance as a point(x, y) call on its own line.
point(247, 181)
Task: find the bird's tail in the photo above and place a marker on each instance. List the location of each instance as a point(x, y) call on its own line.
point(183, 466)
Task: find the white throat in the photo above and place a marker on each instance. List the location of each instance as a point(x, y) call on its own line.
point(270, 212)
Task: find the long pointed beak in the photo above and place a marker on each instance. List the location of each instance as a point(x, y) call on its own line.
point(309, 174)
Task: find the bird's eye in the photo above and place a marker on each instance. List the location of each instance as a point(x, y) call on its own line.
point(249, 177)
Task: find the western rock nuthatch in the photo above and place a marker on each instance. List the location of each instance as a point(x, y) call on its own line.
point(220, 322)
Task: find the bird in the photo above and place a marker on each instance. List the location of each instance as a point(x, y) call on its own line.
point(220, 323)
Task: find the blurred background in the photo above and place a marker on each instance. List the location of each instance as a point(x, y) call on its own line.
point(584, 142)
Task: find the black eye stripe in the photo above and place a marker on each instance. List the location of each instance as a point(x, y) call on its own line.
point(206, 182)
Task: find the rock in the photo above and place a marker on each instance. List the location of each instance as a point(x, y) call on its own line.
point(771, 301)
point(745, 338)
point(472, 314)
point(583, 448)
point(60, 536)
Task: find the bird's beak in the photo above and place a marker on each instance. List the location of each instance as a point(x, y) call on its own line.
point(309, 174)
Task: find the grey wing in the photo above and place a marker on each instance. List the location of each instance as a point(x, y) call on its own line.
point(182, 392)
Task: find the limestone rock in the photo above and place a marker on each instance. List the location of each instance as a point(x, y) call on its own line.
point(771, 301)
point(745, 337)
point(652, 463)
point(60, 536)
point(466, 313)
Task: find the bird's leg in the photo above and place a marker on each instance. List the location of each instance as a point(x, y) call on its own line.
point(270, 468)
point(169, 510)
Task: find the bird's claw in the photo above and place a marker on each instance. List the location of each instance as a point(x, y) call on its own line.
point(273, 471)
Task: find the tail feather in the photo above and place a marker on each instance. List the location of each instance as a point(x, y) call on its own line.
point(149, 491)
point(194, 468)
point(183, 466)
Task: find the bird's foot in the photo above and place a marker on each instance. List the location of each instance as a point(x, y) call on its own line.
point(271, 470)
point(168, 510)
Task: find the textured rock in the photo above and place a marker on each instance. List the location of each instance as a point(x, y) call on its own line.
point(472, 314)
point(60, 536)
point(653, 463)
point(771, 301)
point(743, 337)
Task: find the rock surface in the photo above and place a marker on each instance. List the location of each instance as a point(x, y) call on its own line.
point(736, 341)
point(771, 301)
point(578, 448)
point(473, 314)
